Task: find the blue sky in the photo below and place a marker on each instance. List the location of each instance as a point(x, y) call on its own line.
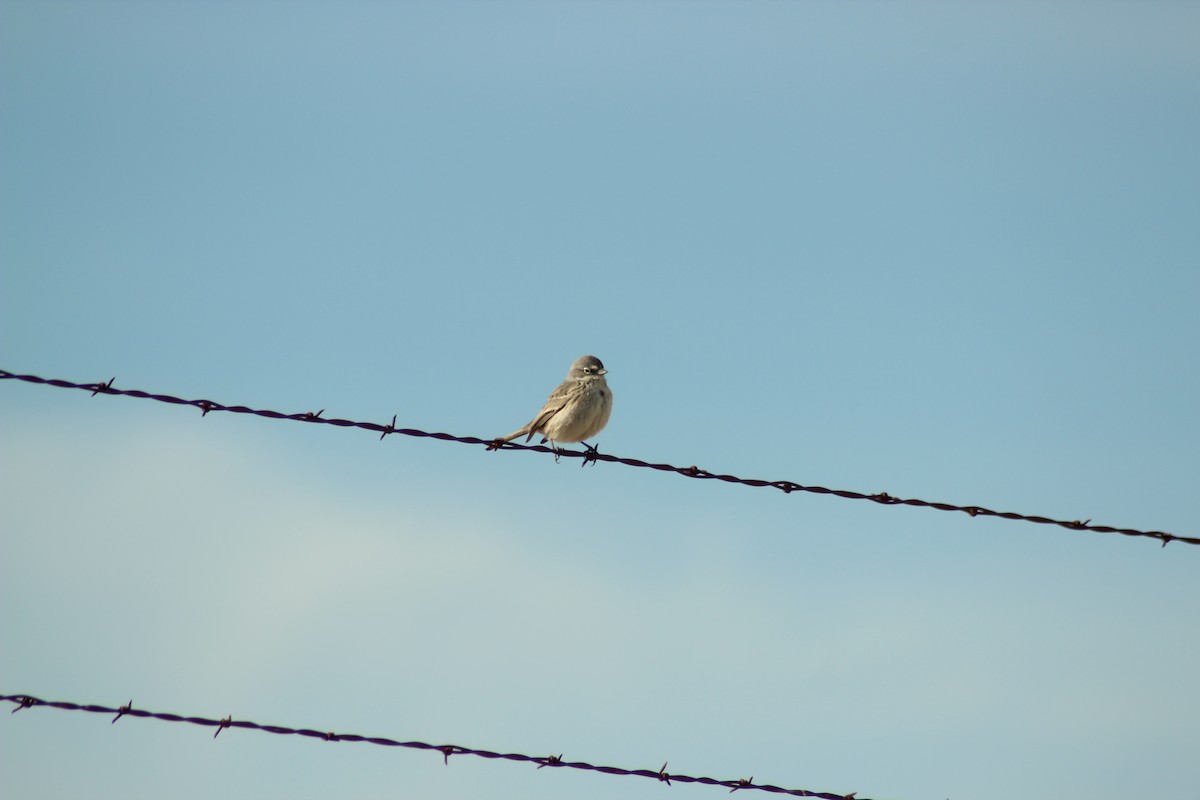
point(941, 250)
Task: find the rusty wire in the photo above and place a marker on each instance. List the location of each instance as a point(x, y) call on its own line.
point(23, 701)
point(592, 456)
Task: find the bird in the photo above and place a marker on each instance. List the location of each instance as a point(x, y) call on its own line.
point(577, 410)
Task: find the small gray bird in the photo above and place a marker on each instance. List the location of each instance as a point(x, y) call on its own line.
point(578, 409)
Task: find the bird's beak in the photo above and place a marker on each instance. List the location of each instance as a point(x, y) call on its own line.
point(603, 372)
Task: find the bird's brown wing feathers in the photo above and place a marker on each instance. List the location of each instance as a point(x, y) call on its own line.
point(558, 398)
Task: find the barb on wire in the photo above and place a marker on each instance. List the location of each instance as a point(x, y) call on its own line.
point(23, 701)
point(591, 455)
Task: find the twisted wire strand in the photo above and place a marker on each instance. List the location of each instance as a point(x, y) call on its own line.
point(23, 701)
point(591, 456)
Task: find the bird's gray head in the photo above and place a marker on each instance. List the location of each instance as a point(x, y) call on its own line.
point(586, 366)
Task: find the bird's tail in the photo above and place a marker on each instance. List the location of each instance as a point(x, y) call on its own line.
point(528, 434)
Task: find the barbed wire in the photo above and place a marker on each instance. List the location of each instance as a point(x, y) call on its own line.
point(23, 701)
point(592, 456)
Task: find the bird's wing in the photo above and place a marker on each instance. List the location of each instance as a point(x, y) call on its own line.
point(558, 398)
